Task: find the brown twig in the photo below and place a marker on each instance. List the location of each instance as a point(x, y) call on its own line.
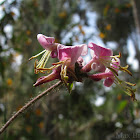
point(28, 105)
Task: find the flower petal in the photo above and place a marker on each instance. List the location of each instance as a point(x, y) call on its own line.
point(85, 49)
point(100, 76)
point(100, 51)
point(108, 81)
point(70, 52)
point(54, 54)
point(44, 79)
point(46, 42)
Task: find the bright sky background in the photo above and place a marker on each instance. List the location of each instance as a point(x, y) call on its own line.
point(1, 1)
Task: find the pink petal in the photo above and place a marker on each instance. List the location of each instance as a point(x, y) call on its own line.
point(87, 67)
point(96, 66)
point(44, 79)
point(70, 52)
point(100, 51)
point(85, 49)
point(46, 42)
point(108, 81)
point(100, 76)
point(54, 54)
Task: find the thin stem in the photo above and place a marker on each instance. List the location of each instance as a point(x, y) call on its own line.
point(28, 105)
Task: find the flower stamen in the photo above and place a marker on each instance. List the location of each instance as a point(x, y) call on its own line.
point(38, 66)
point(127, 89)
point(44, 59)
point(125, 69)
point(37, 55)
point(116, 56)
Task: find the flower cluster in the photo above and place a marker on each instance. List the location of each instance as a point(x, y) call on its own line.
point(70, 66)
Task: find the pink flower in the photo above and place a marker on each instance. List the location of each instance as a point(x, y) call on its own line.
point(110, 80)
point(50, 51)
point(100, 58)
point(64, 69)
point(70, 66)
point(109, 74)
point(70, 54)
point(48, 44)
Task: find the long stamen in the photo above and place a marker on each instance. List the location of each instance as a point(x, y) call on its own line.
point(125, 69)
point(131, 84)
point(41, 62)
point(35, 71)
point(49, 53)
point(121, 87)
point(48, 69)
point(113, 70)
point(64, 77)
point(107, 62)
point(61, 62)
point(116, 56)
point(51, 68)
point(37, 55)
point(124, 86)
point(61, 73)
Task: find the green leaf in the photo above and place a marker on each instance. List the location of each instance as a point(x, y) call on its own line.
point(121, 106)
point(70, 86)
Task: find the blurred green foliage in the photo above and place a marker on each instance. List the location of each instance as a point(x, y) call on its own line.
point(61, 115)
